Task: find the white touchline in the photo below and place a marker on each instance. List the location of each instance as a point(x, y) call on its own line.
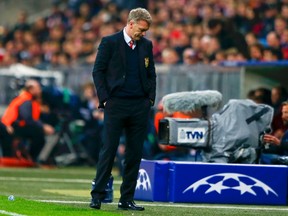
point(50, 180)
point(176, 205)
point(10, 213)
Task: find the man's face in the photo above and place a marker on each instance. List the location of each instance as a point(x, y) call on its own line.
point(275, 96)
point(36, 90)
point(285, 114)
point(215, 30)
point(138, 29)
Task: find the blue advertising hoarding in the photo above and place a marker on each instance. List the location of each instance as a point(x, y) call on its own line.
point(228, 183)
point(152, 182)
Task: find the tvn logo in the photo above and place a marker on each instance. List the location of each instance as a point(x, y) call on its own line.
point(143, 181)
point(191, 135)
point(231, 181)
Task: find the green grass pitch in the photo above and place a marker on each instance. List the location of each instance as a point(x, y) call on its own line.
point(65, 192)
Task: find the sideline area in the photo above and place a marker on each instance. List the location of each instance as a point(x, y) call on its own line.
point(37, 187)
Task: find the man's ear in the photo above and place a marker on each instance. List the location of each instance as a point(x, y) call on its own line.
point(131, 23)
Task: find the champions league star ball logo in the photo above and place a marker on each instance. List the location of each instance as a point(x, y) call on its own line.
point(231, 181)
point(143, 181)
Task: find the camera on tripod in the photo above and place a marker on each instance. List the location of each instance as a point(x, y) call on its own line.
point(227, 136)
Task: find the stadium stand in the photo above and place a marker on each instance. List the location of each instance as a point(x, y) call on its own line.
point(70, 32)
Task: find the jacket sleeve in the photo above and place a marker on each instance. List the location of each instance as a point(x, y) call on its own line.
point(152, 75)
point(10, 115)
point(99, 70)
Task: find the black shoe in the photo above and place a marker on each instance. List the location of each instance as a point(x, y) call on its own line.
point(95, 203)
point(130, 205)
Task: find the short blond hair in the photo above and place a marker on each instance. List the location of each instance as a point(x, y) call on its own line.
point(138, 14)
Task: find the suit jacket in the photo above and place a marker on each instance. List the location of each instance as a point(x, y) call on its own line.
point(110, 66)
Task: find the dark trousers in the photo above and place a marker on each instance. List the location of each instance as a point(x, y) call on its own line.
point(5, 141)
point(132, 116)
point(34, 134)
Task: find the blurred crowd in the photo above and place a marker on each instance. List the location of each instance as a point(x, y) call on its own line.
point(273, 97)
point(183, 31)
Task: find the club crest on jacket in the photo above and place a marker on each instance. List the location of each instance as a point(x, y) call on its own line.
point(146, 62)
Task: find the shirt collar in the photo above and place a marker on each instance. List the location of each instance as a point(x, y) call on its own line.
point(127, 38)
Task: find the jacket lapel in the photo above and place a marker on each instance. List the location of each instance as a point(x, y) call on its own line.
point(141, 57)
point(122, 45)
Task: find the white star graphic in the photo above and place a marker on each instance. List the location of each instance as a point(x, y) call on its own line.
point(265, 188)
point(231, 176)
point(243, 188)
point(218, 187)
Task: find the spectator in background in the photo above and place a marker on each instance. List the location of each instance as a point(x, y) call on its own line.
point(213, 47)
point(190, 57)
point(195, 43)
point(274, 42)
point(220, 56)
point(233, 55)
point(22, 119)
point(49, 48)
point(227, 36)
point(271, 54)
point(129, 4)
point(262, 95)
point(253, 22)
point(251, 39)
point(256, 52)
point(191, 13)
point(57, 34)
point(57, 17)
point(279, 26)
point(85, 12)
point(269, 14)
point(170, 56)
point(58, 60)
point(273, 146)
point(179, 42)
point(240, 17)
point(40, 30)
point(22, 23)
point(207, 13)
point(278, 96)
point(87, 48)
point(284, 11)
point(284, 44)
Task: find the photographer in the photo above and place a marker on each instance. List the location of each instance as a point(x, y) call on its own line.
point(22, 120)
point(274, 147)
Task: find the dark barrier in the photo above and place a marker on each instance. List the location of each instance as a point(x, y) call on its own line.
point(232, 80)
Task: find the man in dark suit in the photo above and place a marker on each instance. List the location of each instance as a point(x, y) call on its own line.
point(125, 79)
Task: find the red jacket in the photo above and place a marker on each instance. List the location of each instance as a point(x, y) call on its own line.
point(22, 110)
